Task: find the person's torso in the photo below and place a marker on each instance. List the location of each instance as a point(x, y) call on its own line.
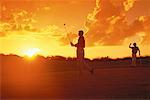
point(135, 50)
point(81, 43)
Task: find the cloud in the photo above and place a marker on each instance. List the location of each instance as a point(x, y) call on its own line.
point(109, 25)
point(21, 23)
point(128, 4)
point(91, 16)
point(16, 20)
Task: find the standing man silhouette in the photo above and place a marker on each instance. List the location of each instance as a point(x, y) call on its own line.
point(80, 45)
point(135, 49)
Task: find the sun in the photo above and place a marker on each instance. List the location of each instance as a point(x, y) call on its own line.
point(31, 52)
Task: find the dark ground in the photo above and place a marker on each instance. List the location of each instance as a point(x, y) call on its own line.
point(33, 80)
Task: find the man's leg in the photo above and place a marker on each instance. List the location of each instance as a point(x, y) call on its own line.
point(84, 63)
point(133, 60)
point(87, 66)
point(80, 66)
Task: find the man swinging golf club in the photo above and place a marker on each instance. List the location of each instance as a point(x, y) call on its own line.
point(135, 49)
point(80, 53)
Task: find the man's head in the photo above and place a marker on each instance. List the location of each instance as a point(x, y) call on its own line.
point(80, 33)
point(134, 44)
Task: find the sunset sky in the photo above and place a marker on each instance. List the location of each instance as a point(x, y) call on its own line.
point(109, 26)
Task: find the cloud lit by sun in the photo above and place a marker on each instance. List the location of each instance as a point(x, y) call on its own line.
point(31, 52)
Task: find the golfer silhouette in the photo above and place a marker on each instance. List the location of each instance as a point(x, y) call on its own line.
point(80, 45)
point(135, 49)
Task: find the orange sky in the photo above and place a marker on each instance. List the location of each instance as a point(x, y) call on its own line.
point(110, 25)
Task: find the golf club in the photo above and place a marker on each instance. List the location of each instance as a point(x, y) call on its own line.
point(67, 33)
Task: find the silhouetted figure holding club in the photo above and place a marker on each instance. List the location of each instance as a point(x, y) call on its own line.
point(135, 49)
point(80, 53)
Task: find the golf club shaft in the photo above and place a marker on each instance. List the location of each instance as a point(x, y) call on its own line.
point(67, 33)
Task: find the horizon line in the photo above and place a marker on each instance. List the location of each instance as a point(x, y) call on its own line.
point(11, 54)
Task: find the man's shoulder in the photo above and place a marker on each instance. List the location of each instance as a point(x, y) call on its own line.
point(81, 37)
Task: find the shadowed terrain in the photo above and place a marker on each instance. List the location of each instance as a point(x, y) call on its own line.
point(58, 78)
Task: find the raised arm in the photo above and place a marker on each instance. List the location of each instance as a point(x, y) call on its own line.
point(130, 45)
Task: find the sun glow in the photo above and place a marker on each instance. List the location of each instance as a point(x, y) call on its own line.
point(31, 52)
